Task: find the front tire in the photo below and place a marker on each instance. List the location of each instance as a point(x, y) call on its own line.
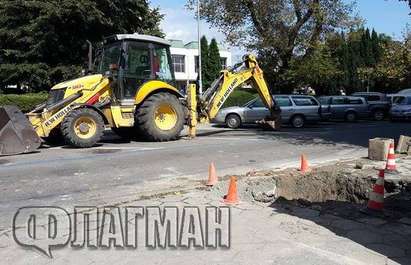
point(233, 121)
point(160, 118)
point(379, 115)
point(82, 128)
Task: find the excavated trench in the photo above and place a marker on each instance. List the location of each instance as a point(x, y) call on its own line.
point(338, 182)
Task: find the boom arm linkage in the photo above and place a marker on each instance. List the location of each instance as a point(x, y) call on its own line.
point(211, 101)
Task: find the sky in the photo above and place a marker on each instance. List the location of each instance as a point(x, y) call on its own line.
point(385, 16)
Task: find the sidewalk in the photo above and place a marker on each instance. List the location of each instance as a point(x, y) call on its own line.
point(293, 231)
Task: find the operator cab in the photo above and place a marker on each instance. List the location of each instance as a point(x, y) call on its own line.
point(135, 59)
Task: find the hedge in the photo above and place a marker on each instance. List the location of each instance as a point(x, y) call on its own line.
point(26, 102)
point(239, 98)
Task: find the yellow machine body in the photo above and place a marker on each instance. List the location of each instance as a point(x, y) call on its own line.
point(95, 88)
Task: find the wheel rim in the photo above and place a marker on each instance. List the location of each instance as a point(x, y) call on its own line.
point(85, 127)
point(298, 122)
point(165, 117)
point(232, 122)
point(351, 117)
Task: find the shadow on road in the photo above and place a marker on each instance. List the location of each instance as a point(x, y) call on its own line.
point(388, 236)
point(326, 133)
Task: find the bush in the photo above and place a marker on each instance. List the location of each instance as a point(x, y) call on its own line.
point(239, 98)
point(25, 102)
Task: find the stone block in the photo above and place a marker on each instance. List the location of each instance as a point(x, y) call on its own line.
point(403, 146)
point(378, 148)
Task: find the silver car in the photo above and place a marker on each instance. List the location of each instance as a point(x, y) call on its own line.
point(345, 107)
point(401, 108)
point(295, 109)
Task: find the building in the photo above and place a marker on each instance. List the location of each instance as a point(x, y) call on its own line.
point(185, 61)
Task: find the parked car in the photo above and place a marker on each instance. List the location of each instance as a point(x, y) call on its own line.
point(401, 108)
point(295, 110)
point(379, 104)
point(405, 91)
point(348, 108)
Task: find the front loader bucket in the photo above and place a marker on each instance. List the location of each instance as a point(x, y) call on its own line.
point(17, 135)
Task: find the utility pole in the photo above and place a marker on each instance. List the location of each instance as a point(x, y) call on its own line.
point(200, 77)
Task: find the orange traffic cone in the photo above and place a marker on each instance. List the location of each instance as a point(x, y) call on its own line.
point(391, 163)
point(304, 164)
point(376, 198)
point(212, 175)
point(232, 197)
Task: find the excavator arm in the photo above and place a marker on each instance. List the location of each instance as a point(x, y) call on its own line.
point(210, 102)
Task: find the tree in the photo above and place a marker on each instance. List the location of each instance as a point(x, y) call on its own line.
point(409, 2)
point(277, 30)
point(205, 62)
point(318, 70)
point(214, 60)
point(43, 42)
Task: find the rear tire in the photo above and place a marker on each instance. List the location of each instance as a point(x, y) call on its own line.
point(298, 121)
point(233, 121)
point(160, 118)
point(351, 116)
point(82, 128)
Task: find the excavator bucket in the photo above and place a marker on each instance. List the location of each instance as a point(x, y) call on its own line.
point(17, 135)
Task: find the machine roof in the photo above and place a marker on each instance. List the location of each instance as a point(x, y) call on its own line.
point(141, 37)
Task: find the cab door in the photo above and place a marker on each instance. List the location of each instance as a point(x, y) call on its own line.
point(137, 68)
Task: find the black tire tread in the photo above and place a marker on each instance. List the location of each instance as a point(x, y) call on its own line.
point(145, 124)
point(68, 124)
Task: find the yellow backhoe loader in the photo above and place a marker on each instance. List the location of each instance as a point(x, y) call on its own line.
point(132, 92)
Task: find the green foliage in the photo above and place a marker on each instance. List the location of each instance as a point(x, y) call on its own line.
point(278, 30)
point(317, 70)
point(210, 61)
point(240, 97)
point(26, 102)
point(205, 62)
point(214, 60)
point(43, 42)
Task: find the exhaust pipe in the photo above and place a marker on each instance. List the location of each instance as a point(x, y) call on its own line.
point(17, 135)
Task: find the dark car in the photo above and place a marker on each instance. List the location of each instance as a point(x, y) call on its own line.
point(344, 107)
point(379, 104)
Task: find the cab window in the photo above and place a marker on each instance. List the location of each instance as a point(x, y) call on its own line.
point(138, 61)
point(162, 64)
point(111, 56)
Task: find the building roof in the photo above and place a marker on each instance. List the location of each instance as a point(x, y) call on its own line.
point(191, 45)
point(177, 43)
point(140, 37)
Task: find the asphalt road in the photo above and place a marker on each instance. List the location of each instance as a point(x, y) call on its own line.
point(116, 170)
